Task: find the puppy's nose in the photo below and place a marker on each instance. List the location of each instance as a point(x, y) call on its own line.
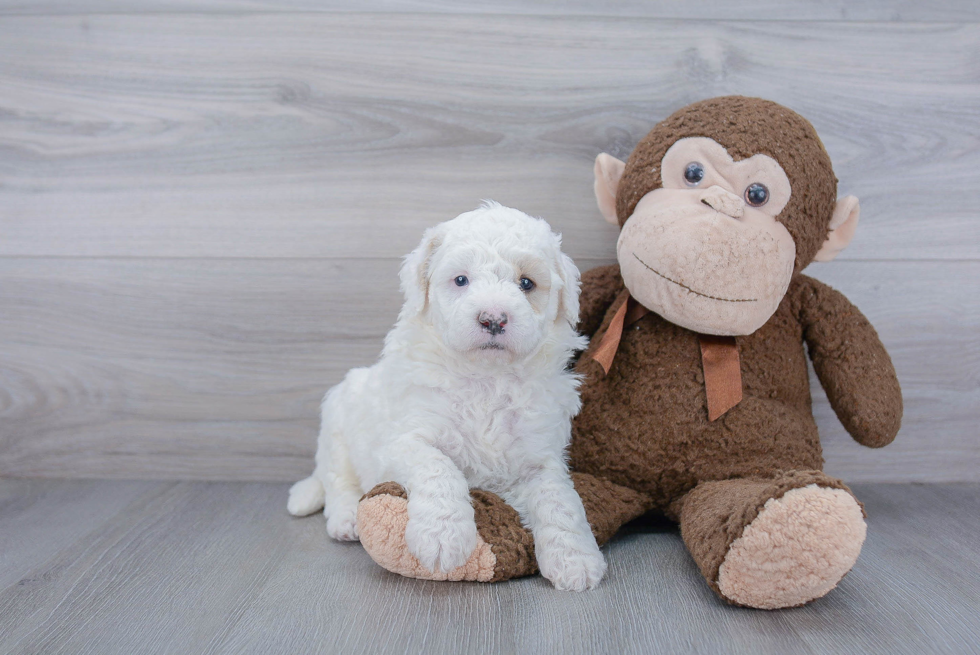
point(493, 323)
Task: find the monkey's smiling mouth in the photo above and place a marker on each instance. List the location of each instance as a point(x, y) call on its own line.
point(684, 286)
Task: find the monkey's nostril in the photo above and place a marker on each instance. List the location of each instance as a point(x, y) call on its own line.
point(724, 203)
point(503, 320)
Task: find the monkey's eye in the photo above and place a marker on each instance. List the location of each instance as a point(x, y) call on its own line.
point(756, 194)
point(526, 284)
point(693, 173)
point(461, 281)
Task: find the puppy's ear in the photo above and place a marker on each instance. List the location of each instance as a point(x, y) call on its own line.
point(414, 274)
point(570, 283)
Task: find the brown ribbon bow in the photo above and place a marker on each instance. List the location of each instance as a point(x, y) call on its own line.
point(719, 356)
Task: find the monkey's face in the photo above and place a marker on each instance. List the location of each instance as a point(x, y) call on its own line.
point(705, 251)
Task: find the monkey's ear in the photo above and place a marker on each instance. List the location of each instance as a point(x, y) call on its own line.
point(608, 170)
point(842, 226)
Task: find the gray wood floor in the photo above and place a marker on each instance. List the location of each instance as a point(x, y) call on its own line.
point(202, 204)
point(196, 567)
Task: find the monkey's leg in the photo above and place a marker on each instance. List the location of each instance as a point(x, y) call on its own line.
point(608, 506)
point(771, 543)
point(505, 549)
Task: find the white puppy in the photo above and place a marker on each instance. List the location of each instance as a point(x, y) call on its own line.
point(471, 391)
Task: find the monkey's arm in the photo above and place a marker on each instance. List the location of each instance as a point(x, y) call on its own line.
point(600, 286)
point(851, 362)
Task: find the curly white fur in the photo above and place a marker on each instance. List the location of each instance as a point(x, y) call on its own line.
point(454, 404)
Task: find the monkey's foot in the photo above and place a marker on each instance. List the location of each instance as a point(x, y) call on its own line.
point(504, 549)
point(796, 550)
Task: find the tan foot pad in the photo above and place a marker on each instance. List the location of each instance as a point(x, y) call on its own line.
point(797, 549)
point(381, 523)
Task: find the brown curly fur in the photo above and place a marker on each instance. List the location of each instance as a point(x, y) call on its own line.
point(645, 426)
point(746, 126)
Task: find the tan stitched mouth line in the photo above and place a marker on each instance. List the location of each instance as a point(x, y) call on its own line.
point(698, 293)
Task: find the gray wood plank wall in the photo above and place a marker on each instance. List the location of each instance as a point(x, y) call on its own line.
point(202, 206)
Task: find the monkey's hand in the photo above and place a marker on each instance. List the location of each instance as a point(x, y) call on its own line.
point(600, 286)
point(851, 362)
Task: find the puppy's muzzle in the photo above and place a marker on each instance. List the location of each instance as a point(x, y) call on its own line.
point(492, 323)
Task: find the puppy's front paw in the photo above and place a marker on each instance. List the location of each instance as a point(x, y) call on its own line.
point(342, 523)
point(440, 540)
point(571, 562)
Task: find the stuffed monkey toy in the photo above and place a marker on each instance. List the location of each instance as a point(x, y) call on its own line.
point(696, 398)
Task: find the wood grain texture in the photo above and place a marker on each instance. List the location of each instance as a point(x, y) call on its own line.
point(220, 567)
point(201, 369)
point(40, 518)
point(753, 10)
point(173, 369)
point(202, 205)
point(309, 135)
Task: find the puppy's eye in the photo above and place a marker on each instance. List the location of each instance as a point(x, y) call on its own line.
point(461, 281)
point(693, 173)
point(526, 284)
point(756, 194)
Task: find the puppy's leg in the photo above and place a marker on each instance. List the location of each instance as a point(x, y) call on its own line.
point(309, 495)
point(334, 485)
point(441, 530)
point(306, 497)
point(342, 490)
point(564, 544)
